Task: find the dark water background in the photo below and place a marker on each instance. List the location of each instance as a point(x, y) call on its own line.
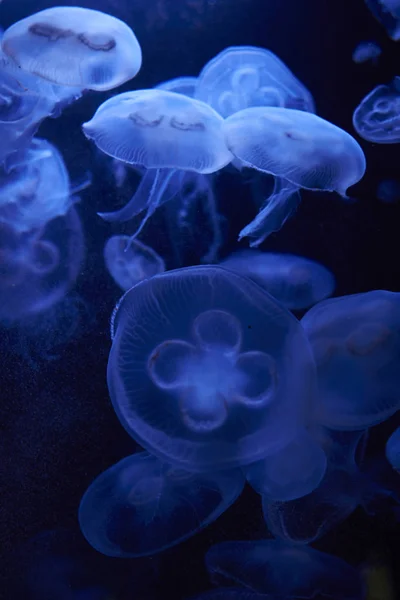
point(57, 427)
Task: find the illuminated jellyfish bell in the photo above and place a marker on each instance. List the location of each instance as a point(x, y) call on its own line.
point(73, 46)
point(387, 12)
point(283, 570)
point(377, 118)
point(367, 52)
point(295, 281)
point(141, 506)
point(243, 76)
point(180, 85)
point(129, 262)
point(35, 188)
point(393, 449)
point(220, 376)
point(356, 344)
point(298, 146)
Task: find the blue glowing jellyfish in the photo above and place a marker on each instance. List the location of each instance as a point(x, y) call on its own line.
point(129, 262)
point(244, 76)
point(295, 281)
point(284, 571)
point(367, 52)
point(393, 449)
point(377, 118)
point(220, 374)
point(355, 340)
point(387, 12)
point(388, 191)
point(180, 85)
point(73, 46)
point(298, 146)
point(141, 506)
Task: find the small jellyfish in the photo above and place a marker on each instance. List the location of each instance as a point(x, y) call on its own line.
point(245, 76)
point(298, 146)
point(206, 370)
point(387, 12)
point(180, 85)
point(356, 344)
point(367, 52)
point(393, 449)
point(129, 262)
point(284, 571)
point(377, 118)
point(388, 191)
point(295, 281)
point(73, 46)
point(141, 506)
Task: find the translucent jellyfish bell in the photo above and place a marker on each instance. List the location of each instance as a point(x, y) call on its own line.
point(244, 76)
point(129, 262)
point(295, 281)
point(141, 506)
point(73, 46)
point(220, 375)
point(180, 85)
point(377, 118)
point(298, 146)
point(393, 449)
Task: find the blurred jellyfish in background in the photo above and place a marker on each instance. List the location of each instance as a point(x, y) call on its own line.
point(295, 281)
point(141, 506)
point(283, 571)
point(377, 118)
point(388, 191)
point(367, 52)
point(387, 12)
point(131, 262)
point(224, 371)
point(393, 449)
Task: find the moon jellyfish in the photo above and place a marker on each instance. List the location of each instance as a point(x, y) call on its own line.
point(295, 281)
point(208, 371)
point(356, 344)
point(377, 118)
point(130, 262)
point(387, 12)
point(141, 506)
point(244, 76)
point(388, 191)
point(284, 571)
point(298, 146)
point(180, 85)
point(367, 52)
point(35, 188)
point(393, 449)
point(73, 46)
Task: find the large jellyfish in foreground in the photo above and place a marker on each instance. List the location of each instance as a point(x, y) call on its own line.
point(284, 571)
point(387, 12)
point(298, 146)
point(377, 118)
point(73, 46)
point(207, 371)
point(356, 345)
point(295, 281)
point(141, 506)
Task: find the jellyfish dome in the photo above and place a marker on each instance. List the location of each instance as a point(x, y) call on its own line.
point(298, 146)
point(141, 506)
point(206, 370)
point(244, 76)
point(73, 46)
point(377, 118)
point(159, 129)
point(356, 340)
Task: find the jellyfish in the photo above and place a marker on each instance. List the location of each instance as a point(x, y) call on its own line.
point(141, 506)
point(131, 262)
point(206, 370)
point(180, 85)
point(393, 449)
point(377, 118)
point(73, 46)
point(295, 281)
point(387, 12)
point(304, 149)
point(388, 191)
point(245, 76)
point(283, 571)
point(367, 52)
point(356, 344)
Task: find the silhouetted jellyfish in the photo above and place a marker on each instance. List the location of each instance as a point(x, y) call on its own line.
point(219, 375)
point(377, 118)
point(295, 281)
point(387, 12)
point(141, 506)
point(367, 51)
point(180, 85)
point(393, 449)
point(284, 571)
point(243, 76)
point(296, 145)
point(388, 191)
point(73, 46)
point(35, 188)
point(129, 262)
point(356, 344)
point(37, 269)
